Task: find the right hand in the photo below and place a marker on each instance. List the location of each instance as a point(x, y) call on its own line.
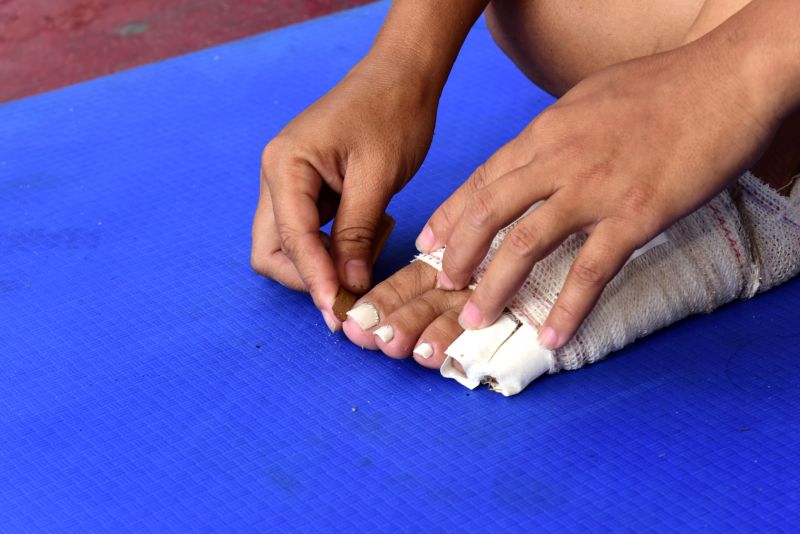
point(344, 156)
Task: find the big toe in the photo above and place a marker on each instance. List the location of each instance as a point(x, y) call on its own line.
point(371, 310)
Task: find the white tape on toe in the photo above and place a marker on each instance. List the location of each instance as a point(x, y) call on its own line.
point(519, 361)
point(742, 242)
point(467, 357)
point(505, 355)
point(365, 315)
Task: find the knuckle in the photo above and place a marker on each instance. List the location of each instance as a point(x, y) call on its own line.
point(480, 178)
point(443, 220)
point(631, 233)
point(289, 239)
point(566, 311)
point(589, 272)
point(601, 170)
point(481, 210)
point(281, 156)
point(637, 199)
point(270, 153)
point(359, 237)
point(522, 241)
point(271, 161)
point(458, 265)
point(546, 121)
point(259, 265)
point(262, 265)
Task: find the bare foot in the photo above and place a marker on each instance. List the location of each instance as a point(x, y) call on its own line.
point(737, 245)
point(405, 314)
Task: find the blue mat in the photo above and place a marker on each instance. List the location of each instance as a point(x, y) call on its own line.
point(149, 380)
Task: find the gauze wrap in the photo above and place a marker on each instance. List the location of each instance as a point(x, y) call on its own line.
point(744, 241)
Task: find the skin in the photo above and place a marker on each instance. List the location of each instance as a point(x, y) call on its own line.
point(725, 93)
point(352, 150)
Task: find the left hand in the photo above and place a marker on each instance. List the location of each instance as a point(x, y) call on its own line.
point(623, 155)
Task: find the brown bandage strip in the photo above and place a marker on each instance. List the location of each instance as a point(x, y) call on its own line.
point(344, 299)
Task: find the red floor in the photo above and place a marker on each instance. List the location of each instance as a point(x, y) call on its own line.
point(46, 44)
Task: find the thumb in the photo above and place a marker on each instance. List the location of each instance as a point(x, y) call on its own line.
point(354, 232)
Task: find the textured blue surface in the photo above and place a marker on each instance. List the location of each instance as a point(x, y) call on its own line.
point(149, 380)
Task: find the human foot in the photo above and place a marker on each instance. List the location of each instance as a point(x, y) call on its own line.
point(406, 314)
point(739, 244)
point(744, 241)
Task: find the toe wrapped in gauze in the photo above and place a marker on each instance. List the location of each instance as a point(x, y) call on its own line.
point(505, 355)
point(741, 242)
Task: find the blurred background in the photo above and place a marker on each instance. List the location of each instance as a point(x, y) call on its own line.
point(47, 44)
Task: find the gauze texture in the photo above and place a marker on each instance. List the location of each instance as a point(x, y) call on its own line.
point(744, 241)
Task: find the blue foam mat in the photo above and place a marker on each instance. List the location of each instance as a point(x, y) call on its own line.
point(149, 380)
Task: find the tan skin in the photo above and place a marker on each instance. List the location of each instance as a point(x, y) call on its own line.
point(566, 151)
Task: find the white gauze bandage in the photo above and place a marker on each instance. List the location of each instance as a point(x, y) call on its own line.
point(744, 241)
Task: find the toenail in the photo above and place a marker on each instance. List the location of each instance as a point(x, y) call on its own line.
point(470, 317)
point(548, 338)
point(444, 282)
point(424, 242)
point(357, 274)
point(330, 320)
point(424, 350)
point(386, 333)
point(365, 315)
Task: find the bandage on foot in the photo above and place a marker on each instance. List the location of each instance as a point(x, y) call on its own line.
point(345, 299)
point(743, 242)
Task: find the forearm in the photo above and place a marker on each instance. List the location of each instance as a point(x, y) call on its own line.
point(423, 37)
point(762, 45)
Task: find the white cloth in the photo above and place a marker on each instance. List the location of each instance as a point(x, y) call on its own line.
point(744, 241)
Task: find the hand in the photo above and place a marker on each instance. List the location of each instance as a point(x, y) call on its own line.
point(623, 155)
point(346, 155)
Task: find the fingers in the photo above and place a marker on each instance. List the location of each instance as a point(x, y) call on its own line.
point(354, 230)
point(533, 238)
point(266, 257)
point(297, 223)
point(602, 256)
point(441, 224)
point(490, 209)
point(327, 204)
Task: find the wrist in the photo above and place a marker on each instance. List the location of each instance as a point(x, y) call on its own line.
point(420, 40)
point(406, 80)
point(761, 44)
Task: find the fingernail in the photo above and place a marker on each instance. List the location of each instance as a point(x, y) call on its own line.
point(424, 242)
point(357, 274)
point(443, 282)
point(424, 350)
point(330, 320)
point(365, 315)
point(548, 338)
point(386, 333)
point(470, 317)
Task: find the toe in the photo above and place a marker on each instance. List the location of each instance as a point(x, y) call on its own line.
point(400, 332)
point(434, 340)
point(382, 300)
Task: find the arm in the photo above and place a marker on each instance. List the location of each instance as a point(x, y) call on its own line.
point(353, 149)
point(425, 37)
point(762, 42)
point(620, 157)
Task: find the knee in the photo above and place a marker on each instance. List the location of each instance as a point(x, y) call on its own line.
point(521, 29)
point(505, 20)
point(497, 27)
